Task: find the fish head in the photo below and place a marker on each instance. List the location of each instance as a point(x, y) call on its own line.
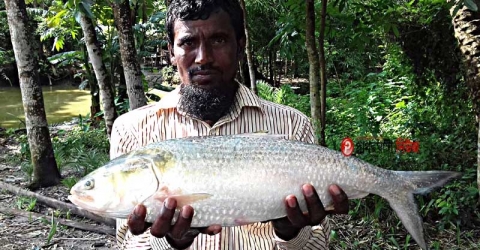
point(116, 188)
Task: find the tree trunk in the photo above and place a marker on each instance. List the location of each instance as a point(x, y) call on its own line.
point(270, 66)
point(314, 69)
point(45, 171)
point(131, 66)
point(323, 73)
point(93, 86)
point(122, 85)
point(103, 78)
point(248, 51)
point(466, 24)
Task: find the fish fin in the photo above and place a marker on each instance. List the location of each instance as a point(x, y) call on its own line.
point(354, 193)
point(407, 210)
point(329, 207)
point(351, 192)
point(185, 199)
point(425, 181)
point(243, 221)
point(403, 202)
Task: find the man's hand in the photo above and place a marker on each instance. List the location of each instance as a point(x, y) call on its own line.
point(288, 228)
point(178, 235)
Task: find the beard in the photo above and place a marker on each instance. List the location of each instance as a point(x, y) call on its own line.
point(207, 104)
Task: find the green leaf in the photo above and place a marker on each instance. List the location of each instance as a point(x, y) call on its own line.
point(471, 5)
point(73, 33)
point(53, 229)
point(58, 43)
point(395, 31)
point(401, 105)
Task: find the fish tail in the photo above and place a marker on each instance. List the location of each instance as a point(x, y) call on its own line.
point(403, 201)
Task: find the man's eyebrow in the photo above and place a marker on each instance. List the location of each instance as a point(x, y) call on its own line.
point(186, 38)
point(220, 34)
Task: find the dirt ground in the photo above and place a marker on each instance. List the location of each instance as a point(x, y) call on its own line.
point(18, 232)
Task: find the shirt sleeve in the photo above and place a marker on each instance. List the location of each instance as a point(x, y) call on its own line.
point(305, 131)
point(123, 138)
point(314, 237)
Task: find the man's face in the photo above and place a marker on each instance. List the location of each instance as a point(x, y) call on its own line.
point(206, 52)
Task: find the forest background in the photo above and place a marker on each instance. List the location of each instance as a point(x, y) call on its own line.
point(396, 70)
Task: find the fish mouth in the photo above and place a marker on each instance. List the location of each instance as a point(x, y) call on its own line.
point(83, 201)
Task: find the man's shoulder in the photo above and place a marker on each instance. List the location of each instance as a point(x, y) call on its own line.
point(134, 116)
point(272, 107)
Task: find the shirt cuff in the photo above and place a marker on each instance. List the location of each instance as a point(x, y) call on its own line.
point(310, 237)
point(296, 243)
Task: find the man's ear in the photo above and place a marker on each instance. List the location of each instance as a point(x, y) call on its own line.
point(172, 55)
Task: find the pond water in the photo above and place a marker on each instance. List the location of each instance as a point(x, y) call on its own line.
point(62, 103)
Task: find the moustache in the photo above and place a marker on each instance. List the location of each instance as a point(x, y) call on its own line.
point(194, 70)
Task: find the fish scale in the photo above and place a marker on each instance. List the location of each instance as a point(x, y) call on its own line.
point(236, 180)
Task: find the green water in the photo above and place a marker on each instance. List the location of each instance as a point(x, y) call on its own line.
point(62, 103)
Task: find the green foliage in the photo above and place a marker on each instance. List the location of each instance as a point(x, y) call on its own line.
point(26, 203)
point(69, 182)
point(284, 95)
point(53, 229)
point(121, 106)
point(169, 76)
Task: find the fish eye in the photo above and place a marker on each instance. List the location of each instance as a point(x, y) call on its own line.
point(89, 184)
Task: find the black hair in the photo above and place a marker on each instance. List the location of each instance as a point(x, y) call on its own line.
point(201, 10)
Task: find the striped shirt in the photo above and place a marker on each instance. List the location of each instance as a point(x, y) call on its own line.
point(249, 114)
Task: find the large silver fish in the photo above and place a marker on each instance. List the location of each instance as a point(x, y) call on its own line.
point(235, 180)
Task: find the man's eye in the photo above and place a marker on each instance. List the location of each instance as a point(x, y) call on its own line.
point(219, 40)
point(186, 44)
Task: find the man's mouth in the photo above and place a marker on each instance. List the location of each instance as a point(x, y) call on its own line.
point(204, 73)
point(203, 77)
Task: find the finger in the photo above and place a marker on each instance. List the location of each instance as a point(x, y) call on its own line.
point(340, 199)
point(136, 220)
point(211, 230)
point(183, 223)
point(161, 226)
point(315, 208)
point(294, 213)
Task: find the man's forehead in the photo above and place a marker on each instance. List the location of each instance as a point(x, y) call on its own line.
point(217, 22)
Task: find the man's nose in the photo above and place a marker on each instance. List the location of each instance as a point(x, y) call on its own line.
point(204, 54)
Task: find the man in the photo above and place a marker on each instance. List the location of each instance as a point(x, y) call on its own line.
point(206, 41)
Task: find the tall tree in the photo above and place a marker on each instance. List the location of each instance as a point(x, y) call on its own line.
point(103, 78)
point(45, 171)
point(131, 66)
point(323, 73)
point(314, 66)
point(248, 50)
point(466, 24)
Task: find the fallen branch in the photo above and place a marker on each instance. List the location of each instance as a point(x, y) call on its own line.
point(79, 225)
point(58, 204)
